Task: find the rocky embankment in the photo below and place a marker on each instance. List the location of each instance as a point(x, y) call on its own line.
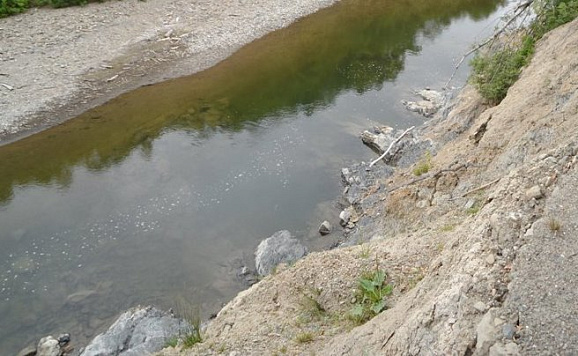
point(480, 247)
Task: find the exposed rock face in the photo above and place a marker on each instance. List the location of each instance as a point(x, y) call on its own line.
point(281, 247)
point(139, 331)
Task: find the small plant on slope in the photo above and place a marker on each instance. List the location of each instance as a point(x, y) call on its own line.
point(424, 165)
point(371, 293)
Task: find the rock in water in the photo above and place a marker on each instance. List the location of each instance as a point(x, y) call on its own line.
point(48, 346)
point(325, 228)
point(279, 248)
point(431, 103)
point(139, 331)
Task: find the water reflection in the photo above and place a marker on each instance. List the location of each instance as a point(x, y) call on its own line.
point(358, 45)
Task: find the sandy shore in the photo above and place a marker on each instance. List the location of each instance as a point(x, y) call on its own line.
point(57, 63)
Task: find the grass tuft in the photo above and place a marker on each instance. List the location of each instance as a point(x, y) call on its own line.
point(424, 165)
point(304, 337)
point(554, 225)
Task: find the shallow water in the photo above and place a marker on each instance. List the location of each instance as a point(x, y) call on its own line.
point(159, 195)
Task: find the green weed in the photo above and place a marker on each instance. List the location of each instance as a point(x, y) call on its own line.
point(424, 165)
point(370, 298)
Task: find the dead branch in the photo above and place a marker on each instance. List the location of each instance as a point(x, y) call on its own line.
point(479, 188)
point(390, 147)
point(518, 11)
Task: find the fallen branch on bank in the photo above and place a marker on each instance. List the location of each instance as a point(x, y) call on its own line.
point(478, 188)
point(390, 147)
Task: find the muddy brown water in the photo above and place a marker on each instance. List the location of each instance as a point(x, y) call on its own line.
point(160, 195)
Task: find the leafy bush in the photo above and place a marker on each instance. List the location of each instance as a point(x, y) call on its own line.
point(371, 293)
point(67, 3)
point(555, 13)
point(494, 72)
point(11, 7)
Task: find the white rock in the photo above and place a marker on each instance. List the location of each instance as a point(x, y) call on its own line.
point(48, 346)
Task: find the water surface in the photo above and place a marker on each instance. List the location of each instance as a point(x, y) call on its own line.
point(159, 195)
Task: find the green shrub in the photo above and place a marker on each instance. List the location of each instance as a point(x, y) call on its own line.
point(494, 72)
point(555, 13)
point(67, 3)
point(11, 7)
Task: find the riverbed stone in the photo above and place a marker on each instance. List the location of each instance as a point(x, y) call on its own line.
point(281, 247)
point(325, 228)
point(138, 331)
point(48, 346)
point(63, 339)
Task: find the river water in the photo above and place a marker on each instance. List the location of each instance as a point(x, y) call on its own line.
point(160, 195)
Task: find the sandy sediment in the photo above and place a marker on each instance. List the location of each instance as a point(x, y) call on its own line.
point(56, 63)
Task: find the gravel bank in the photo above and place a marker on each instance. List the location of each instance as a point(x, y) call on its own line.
point(56, 63)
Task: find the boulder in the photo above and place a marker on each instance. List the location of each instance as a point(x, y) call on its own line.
point(281, 247)
point(138, 331)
